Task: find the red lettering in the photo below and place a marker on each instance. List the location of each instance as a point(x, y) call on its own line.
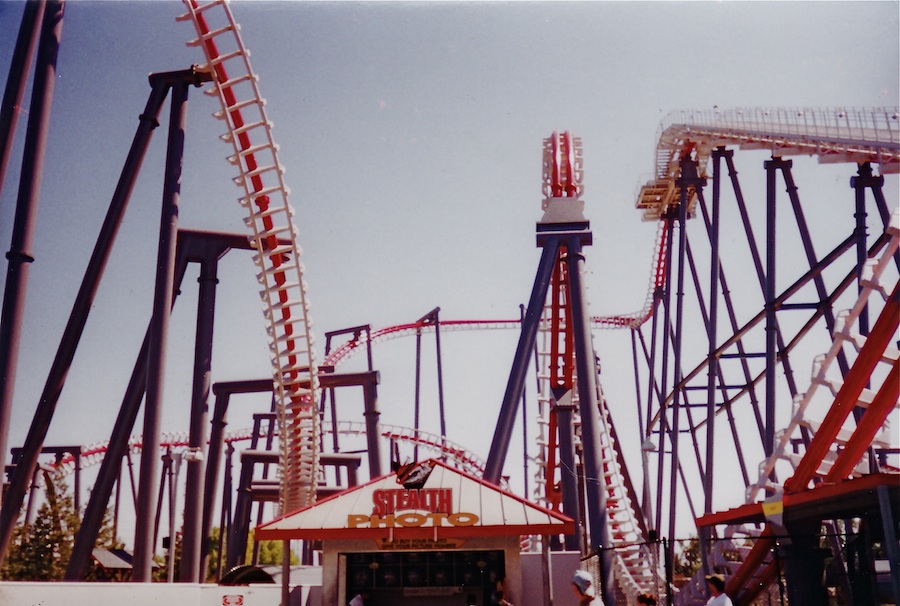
point(445, 501)
point(412, 500)
point(390, 501)
point(379, 499)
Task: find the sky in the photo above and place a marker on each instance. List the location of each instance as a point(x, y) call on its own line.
point(412, 137)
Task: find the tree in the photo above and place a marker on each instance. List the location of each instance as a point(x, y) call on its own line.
point(41, 551)
point(269, 553)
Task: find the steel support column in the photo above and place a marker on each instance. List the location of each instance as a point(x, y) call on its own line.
point(223, 393)
point(713, 371)
point(771, 166)
point(20, 251)
point(688, 180)
point(14, 93)
point(109, 469)
point(373, 428)
point(567, 468)
point(664, 428)
point(207, 252)
point(508, 408)
point(165, 267)
point(712, 329)
point(588, 405)
point(78, 317)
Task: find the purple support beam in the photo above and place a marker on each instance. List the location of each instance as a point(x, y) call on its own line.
point(204, 248)
point(588, 394)
point(859, 189)
point(20, 252)
point(712, 326)
point(14, 92)
point(165, 269)
point(771, 323)
point(109, 470)
point(664, 299)
point(240, 528)
point(714, 372)
point(372, 415)
point(760, 273)
point(432, 318)
point(418, 402)
point(207, 252)
point(664, 429)
point(118, 443)
point(567, 467)
point(688, 179)
point(223, 393)
point(516, 383)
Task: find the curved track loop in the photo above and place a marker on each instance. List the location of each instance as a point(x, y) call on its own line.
point(453, 454)
point(270, 220)
point(346, 350)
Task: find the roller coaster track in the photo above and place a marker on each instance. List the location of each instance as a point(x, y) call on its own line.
point(834, 454)
point(832, 135)
point(453, 453)
point(270, 219)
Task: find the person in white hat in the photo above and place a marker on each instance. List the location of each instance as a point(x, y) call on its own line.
point(583, 583)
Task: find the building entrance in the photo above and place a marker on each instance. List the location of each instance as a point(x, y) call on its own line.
point(425, 578)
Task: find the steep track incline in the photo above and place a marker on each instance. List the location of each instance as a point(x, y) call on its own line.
point(270, 219)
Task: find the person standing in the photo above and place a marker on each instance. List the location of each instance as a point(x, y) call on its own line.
point(583, 584)
point(716, 585)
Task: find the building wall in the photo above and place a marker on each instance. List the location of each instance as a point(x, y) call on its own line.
point(562, 566)
point(136, 594)
point(331, 579)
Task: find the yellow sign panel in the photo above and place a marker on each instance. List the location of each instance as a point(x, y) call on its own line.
point(411, 520)
point(418, 544)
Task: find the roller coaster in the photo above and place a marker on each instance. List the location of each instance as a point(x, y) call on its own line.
point(715, 389)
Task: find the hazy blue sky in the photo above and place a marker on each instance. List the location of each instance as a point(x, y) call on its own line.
point(412, 136)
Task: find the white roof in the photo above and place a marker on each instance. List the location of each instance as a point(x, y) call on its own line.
point(477, 508)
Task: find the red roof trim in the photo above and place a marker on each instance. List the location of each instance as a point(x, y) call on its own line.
point(752, 512)
point(422, 532)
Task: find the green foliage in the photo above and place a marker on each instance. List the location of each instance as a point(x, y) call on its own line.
point(41, 551)
point(269, 553)
point(687, 561)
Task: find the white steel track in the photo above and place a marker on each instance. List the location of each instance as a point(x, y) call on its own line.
point(832, 135)
point(270, 219)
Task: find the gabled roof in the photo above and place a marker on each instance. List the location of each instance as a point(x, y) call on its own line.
point(477, 508)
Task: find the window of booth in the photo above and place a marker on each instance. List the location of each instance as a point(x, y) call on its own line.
point(425, 577)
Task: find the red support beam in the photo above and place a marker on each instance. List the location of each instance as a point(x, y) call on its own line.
point(871, 421)
point(848, 395)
